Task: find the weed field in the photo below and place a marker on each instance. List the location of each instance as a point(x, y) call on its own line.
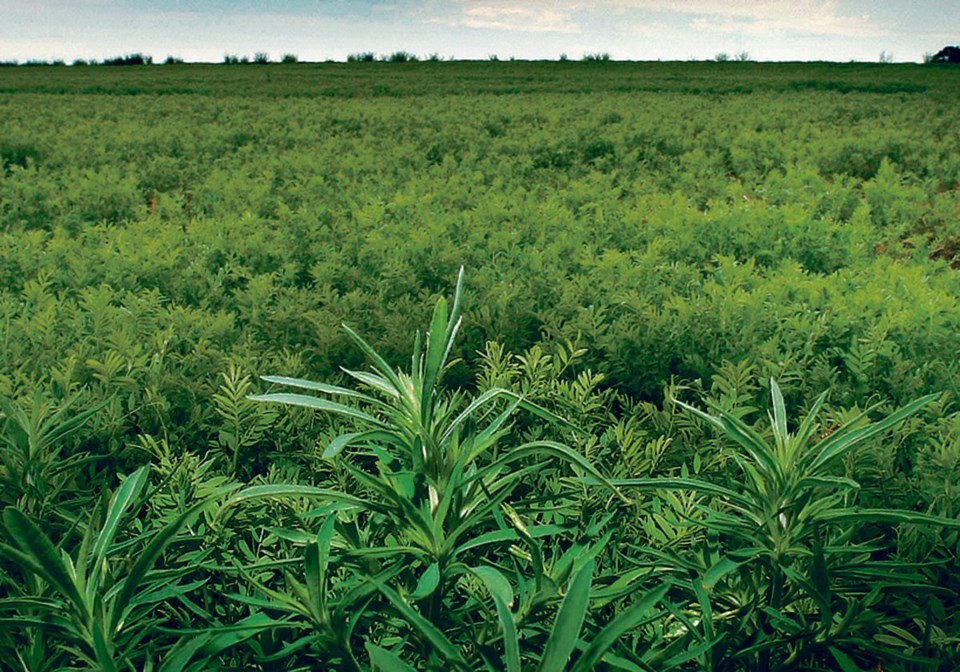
point(692, 402)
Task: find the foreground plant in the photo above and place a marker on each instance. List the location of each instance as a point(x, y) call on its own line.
point(428, 540)
point(94, 599)
point(793, 573)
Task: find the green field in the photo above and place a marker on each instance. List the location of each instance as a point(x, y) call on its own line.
point(638, 240)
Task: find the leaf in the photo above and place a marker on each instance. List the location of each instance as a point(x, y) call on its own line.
point(502, 593)
point(566, 629)
point(718, 571)
point(381, 659)
point(318, 404)
point(440, 643)
point(841, 442)
point(554, 449)
point(376, 382)
point(304, 384)
point(779, 412)
point(44, 558)
point(276, 490)
point(146, 560)
point(626, 620)
point(427, 583)
point(317, 558)
point(496, 583)
point(378, 361)
point(805, 430)
point(844, 661)
point(122, 498)
point(436, 348)
point(892, 516)
point(101, 649)
point(692, 484)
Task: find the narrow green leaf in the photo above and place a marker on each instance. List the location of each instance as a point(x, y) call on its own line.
point(48, 563)
point(183, 652)
point(511, 643)
point(440, 643)
point(304, 384)
point(245, 628)
point(101, 649)
point(779, 412)
point(336, 446)
point(263, 491)
point(315, 589)
point(554, 449)
point(122, 498)
point(496, 583)
point(318, 404)
point(324, 541)
point(381, 659)
point(378, 361)
point(146, 560)
point(805, 430)
point(453, 324)
point(892, 516)
point(841, 443)
point(566, 629)
point(436, 348)
point(718, 571)
point(626, 620)
point(844, 661)
point(374, 381)
point(692, 484)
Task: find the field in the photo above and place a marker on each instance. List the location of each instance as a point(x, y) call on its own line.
point(692, 403)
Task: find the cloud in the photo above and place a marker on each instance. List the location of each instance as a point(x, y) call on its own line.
point(528, 18)
point(750, 17)
point(798, 17)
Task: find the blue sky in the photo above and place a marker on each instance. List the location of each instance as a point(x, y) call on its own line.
point(205, 30)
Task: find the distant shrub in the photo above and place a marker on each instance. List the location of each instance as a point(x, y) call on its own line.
point(261, 58)
point(722, 57)
point(230, 59)
point(80, 62)
point(743, 56)
point(289, 58)
point(401, 57)
point(132, 59)
point(599, 57)
point(361, 57)
point(946, 55)
point(9, 64)
point(172, 60)
point(434, 57)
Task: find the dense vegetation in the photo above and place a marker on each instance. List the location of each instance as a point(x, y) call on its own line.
point(539, 485)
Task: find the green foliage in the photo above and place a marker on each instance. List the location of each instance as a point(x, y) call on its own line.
point(432, 507)
point(635, 234)
point(95, 603)
point(784, 575)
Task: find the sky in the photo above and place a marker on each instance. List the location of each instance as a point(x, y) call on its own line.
point(317, 30)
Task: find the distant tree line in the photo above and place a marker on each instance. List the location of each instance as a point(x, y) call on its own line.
point(949, 54)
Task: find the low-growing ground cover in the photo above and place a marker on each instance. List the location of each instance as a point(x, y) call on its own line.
point(635, 237)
